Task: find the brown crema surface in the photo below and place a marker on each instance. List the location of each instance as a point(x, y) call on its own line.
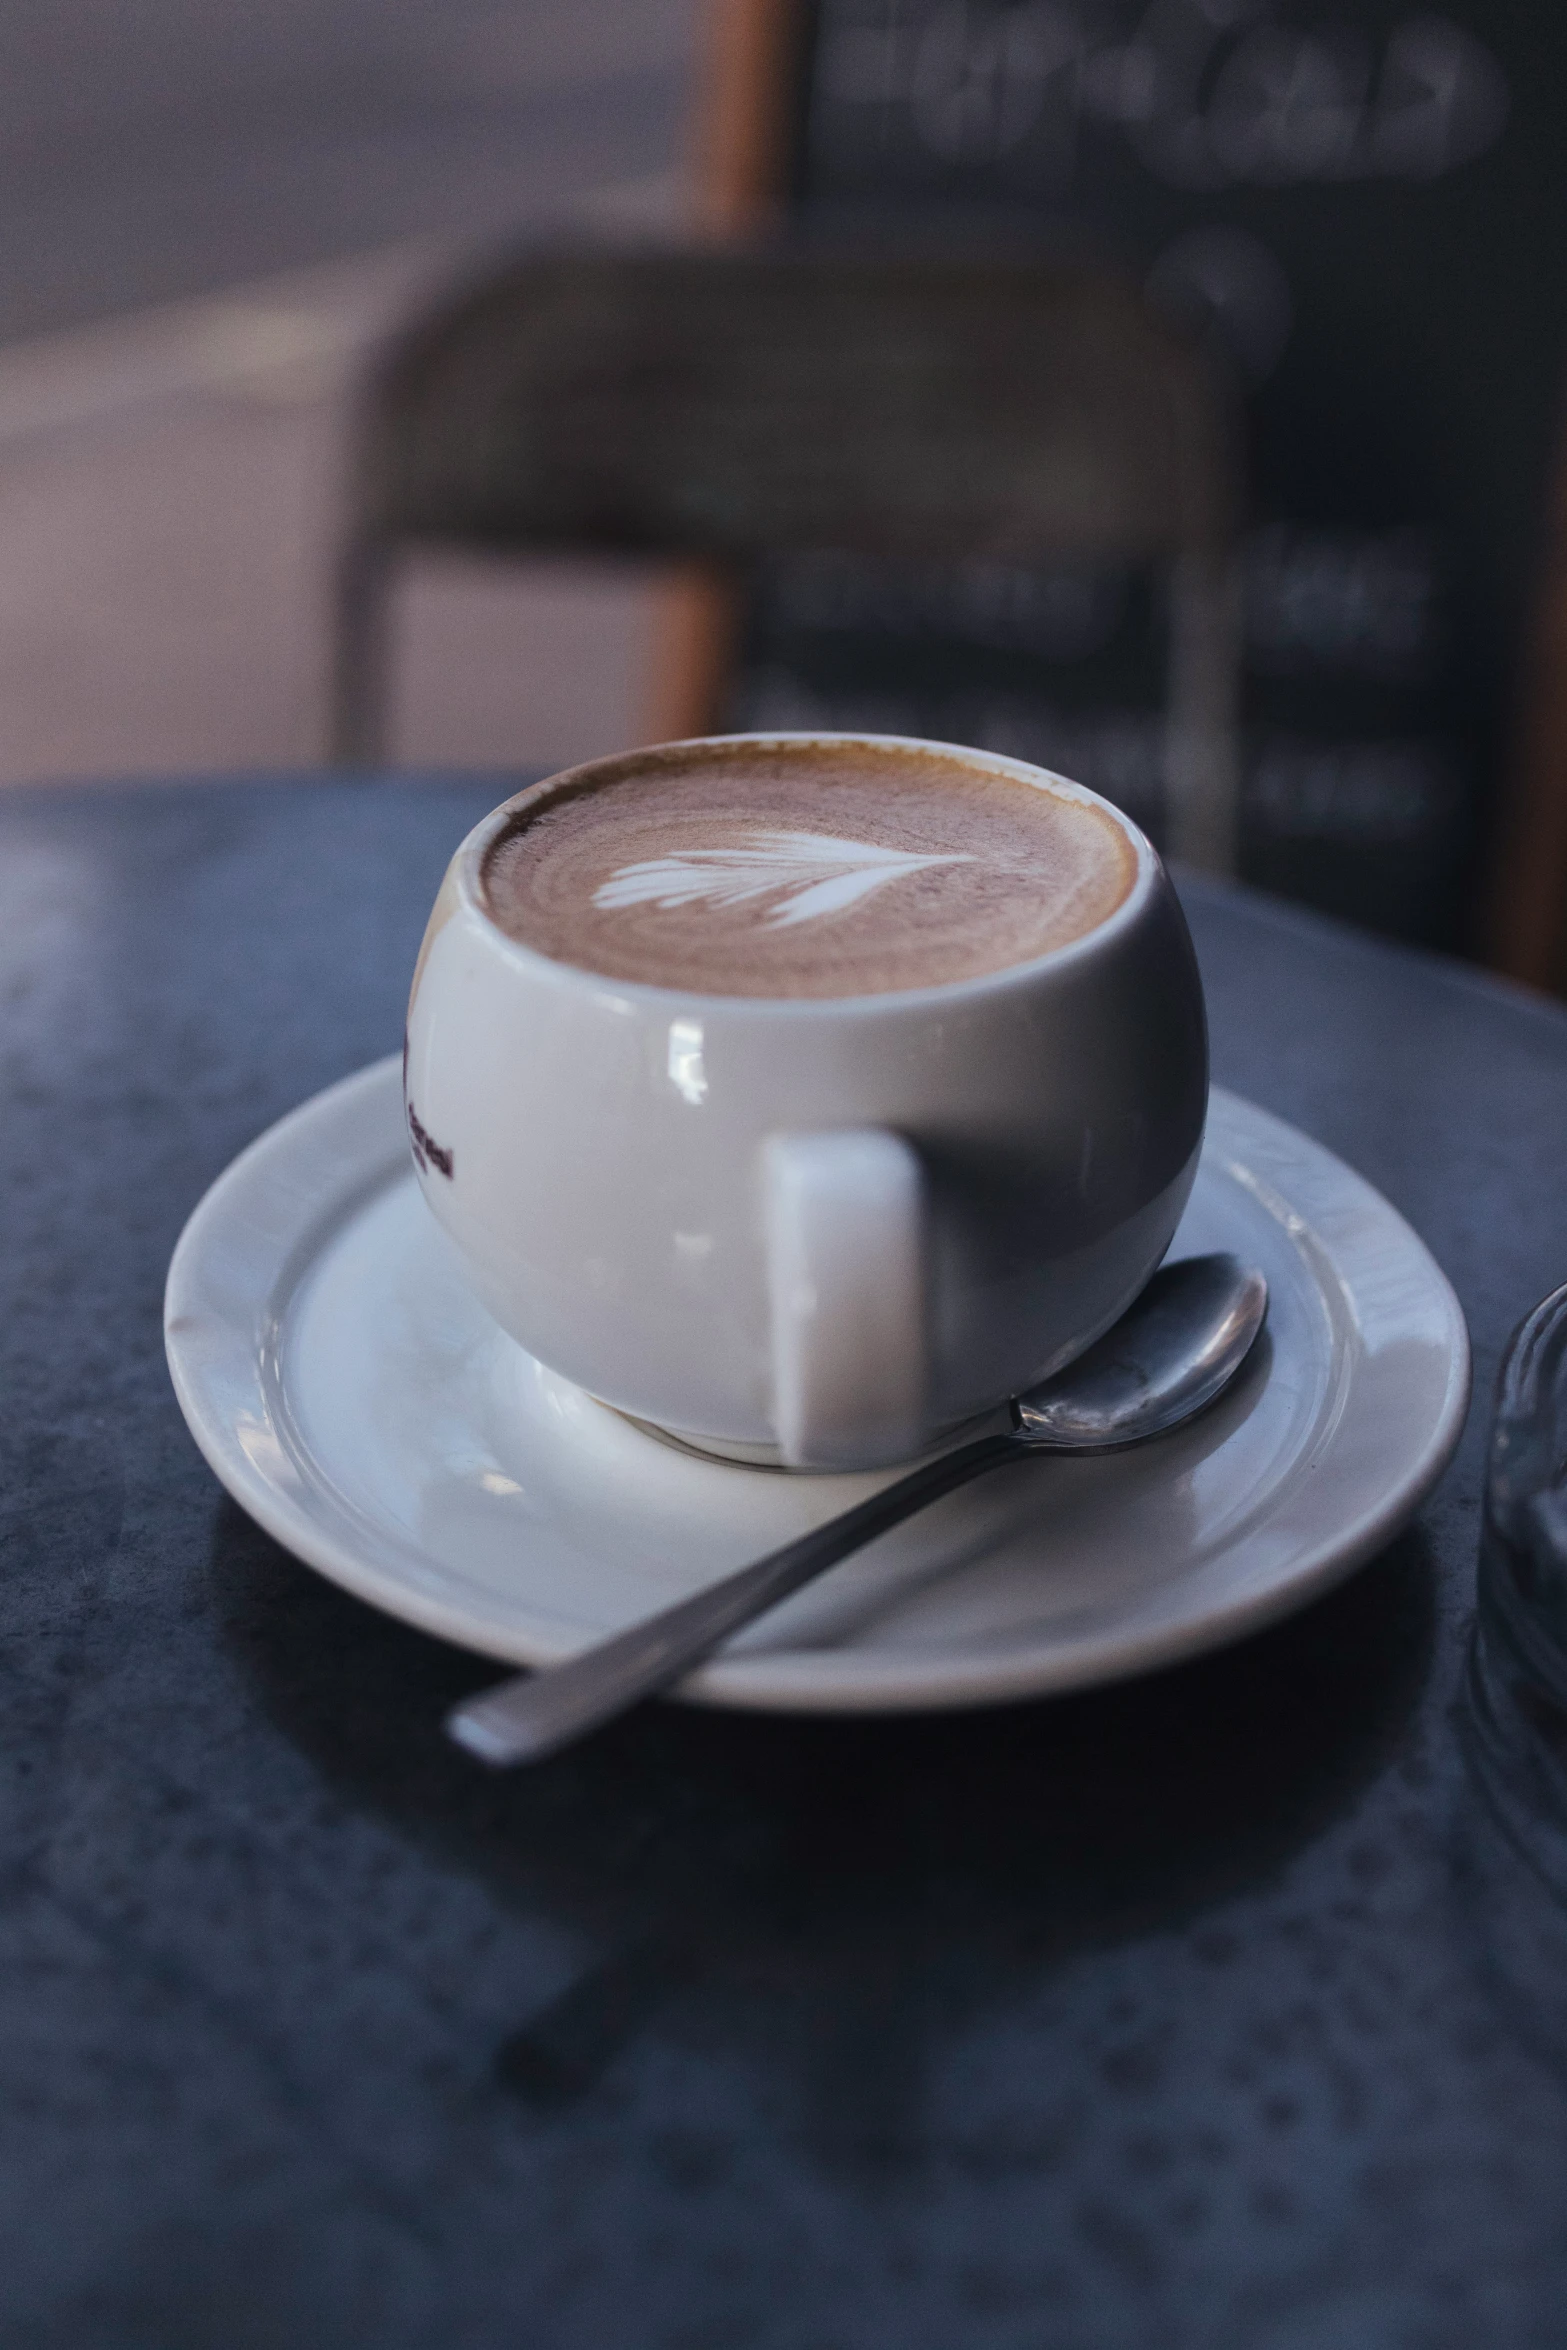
point(802, 870)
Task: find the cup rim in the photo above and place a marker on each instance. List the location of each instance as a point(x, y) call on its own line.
point(467, 867)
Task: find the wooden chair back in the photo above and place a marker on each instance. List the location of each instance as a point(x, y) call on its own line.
point(728, 404)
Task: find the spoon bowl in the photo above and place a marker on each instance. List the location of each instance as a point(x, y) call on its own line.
point(1169, 1356)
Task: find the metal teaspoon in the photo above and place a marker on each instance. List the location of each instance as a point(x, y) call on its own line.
point(1172, 1352)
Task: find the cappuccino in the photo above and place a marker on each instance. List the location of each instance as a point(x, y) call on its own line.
point(803, 868)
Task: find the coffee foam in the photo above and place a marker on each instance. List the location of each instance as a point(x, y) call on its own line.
point(802, 869)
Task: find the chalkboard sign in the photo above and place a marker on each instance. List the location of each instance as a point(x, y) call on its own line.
point(1365, 210)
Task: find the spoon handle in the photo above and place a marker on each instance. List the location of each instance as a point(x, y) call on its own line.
point(524, 1719)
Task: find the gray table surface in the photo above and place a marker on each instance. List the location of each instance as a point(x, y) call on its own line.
point(1169, 2016)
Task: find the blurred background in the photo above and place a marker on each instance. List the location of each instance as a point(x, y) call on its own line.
point(215, 217)
point(211, 213)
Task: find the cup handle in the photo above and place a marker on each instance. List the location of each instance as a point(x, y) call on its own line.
point(845, 1218)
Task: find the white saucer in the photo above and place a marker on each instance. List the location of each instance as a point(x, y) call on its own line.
point(355, 1401)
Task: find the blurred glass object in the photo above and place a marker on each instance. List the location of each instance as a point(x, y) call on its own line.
point(1512, 1851)
point(1523, 1566)
point(1518, 1660)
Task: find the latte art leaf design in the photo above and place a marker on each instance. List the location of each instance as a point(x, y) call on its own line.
point(808, 874)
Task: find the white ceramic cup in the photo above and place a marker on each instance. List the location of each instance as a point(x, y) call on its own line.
point(820, 1231)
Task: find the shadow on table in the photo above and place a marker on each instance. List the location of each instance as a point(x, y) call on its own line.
point(850, 1889)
